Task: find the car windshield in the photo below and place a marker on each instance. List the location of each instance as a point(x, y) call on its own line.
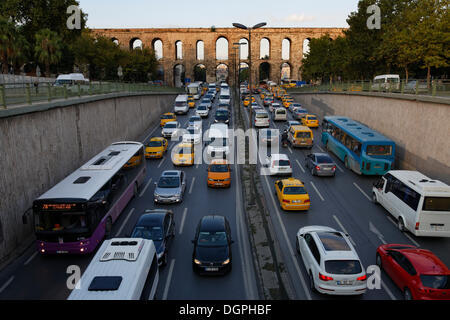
point(436, 281)
point(169, 182)
point(323, 159)
point(262, 115)
point(180, 104)
point(436, 204)
point(221, 113)
point(192, 131)
point(195, 119)
point(225, 97)
point(303, 135)
point(294, 190)
point(202, 107)
point(218, 142)
point(282, 163)
point(379, 150)
point(154, 233)
point(185, 150)
point(212, 239)
point(343, 266)
point(312, 118)
point(155, 144)
point(170, 125)
point(218, 168)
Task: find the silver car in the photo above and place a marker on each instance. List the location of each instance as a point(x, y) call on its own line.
point(320, 164)
point(170, 129)
point(170, 187)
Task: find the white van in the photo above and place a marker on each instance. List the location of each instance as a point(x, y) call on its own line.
point(217, 141)
point(71, 81)
point(420, 204)
point(122, 269)
point(225, 96)
point(181, 104)
point(386, 82)
point(279, 114)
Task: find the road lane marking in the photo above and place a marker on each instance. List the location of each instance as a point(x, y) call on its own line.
point(343, 229)
point(374, 230)
point(362, 191)
point(290, 150)
point(169, 279)
point(298, 162)
point(125, 222)
point(161, 162)
point(192, 185)
point(145, 188)
point(312, 183)
point(6, 284)
point(30, 258)
point(385, 287)
point(150, 134)
point(340, 169)
point(411, 239)
point(182, 220)
point(320, 148)
point(289, 246)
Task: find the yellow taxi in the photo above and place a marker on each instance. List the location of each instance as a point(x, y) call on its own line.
point(287, 102)
point(300, 136)
point(247, 101)
point(292, 194)
point(156, 148)
point(183, 154)
point(167, 117)
point(219, 174)
point(191, 101)
point(310, 121)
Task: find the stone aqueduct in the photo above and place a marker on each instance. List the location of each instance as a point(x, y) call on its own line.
point(189, 37)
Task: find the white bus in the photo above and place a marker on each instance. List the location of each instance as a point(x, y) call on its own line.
point(74, 216)
point(386, 82)
point(195, 89)
point(122, 269)
point(420, 204)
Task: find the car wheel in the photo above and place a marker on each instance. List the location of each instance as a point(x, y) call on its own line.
point(374, 198)
point(297, 246)
point(312, 171)
point(312, 285)
point(164, 262)
point(401, 225)
point(346, 162)
point(378, 261)
point(407, 294)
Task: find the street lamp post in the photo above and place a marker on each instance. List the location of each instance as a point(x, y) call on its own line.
point(256, 26)
point(238, 76)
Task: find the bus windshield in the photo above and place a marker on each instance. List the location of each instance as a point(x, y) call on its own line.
point(375, 150)
point(61, 217)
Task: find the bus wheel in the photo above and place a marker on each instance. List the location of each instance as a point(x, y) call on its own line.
point(108, 227)
point(346, 162)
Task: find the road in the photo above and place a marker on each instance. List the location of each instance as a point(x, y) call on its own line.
point(342, 202)
point(33, 276)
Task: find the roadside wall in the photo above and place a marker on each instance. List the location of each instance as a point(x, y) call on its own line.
point(420, 129)
point(38, 149)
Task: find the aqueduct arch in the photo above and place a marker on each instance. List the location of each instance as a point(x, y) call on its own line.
point(189, 37)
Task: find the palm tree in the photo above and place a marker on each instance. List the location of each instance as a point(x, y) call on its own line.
point(8, 45)
point(48, 48)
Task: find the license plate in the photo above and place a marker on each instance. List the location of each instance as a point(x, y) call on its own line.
point(62, 251)
point(344, 283)
point(326, 169)
point(437, 227)
point(297, 201)
point(219, 184)
point(377, 167)
point(211, 269)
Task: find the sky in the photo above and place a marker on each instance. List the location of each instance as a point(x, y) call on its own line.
point(220, 13)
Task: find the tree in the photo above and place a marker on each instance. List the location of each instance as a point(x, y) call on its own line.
point(7, 42)
point(48, 48)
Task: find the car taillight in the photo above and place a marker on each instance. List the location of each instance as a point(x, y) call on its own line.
point(286, 201)
point(417, 225)
point(325, 278)
point(307, 201)
point(317, 168)
point(362, 278)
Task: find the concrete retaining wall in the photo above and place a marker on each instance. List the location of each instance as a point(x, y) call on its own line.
point(420, 129)
point(39, 149)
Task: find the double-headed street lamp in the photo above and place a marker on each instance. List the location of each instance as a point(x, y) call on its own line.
point(237, 45)
point(256, 26)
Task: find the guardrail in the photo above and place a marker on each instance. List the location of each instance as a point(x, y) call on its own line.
point(439, 88)
point(31, 94)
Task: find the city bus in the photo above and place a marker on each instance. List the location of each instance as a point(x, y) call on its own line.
point(122, 269)
point(77, 213)
point(362, 149)
point(195, 89)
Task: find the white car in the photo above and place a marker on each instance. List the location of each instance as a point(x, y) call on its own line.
point(278, 164)
point(170, 129)
point(193, 135)
point(202, 111)
point(331, 261)
point(195, 121)
point(261, 119)
point(279, 114)
point(274, 106)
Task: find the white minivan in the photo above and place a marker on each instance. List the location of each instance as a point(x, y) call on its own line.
point(420, 204)
point(261, 119)
point(122, 269)
point(181, 104)
point(279, 114)
point(224, 96)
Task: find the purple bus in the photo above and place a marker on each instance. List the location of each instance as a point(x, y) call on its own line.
point(76, 214)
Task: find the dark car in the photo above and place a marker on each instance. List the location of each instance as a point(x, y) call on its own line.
point(157, 225)
point(212, 246)
point(320, 164)
point(209, 96)
point(224, 105)
point(222, 115)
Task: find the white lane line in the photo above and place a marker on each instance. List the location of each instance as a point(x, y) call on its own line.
point(340, 169)
point(169, 279)
point(150, 134)
point(289, 246)
point(183, 218)
point(385, 287)
point(6, 284)
point(30, 258)
point(411, 239)
point(290, 150)
point(145, 188)
point(298, 162)
point(320, 148)
point(125, 222)
point(374, 230)
point(343, 229)
point(161, 162)
point(192, 185)
point(362, 191)
point(390, 219)
point(312, 183)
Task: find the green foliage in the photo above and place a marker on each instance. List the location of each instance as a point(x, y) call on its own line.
point(48, 48)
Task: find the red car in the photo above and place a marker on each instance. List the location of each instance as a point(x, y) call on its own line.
point(417, 272)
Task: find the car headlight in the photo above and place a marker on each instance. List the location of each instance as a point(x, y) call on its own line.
point(226, 262)
point(197, 261)
point(210, 179)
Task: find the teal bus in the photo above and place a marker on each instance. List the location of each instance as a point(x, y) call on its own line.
point(362, 149)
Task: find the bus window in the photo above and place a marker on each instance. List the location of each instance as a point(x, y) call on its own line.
point(379, 150)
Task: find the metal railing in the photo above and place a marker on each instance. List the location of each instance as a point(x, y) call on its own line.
point(30, 94)
point(437, 88)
